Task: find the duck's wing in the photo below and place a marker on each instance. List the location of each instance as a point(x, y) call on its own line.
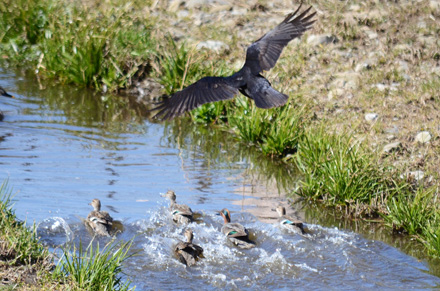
point(178, 251)
point(98, 227)
point(196, 250)
point(205, 90)
point(187, 253)
point(289, 221)
point(182, 219)
point(182, 209)
point(234, 230)
point(263, 54)
point(100, 217)
point(243, 243)
point(105, 217)
point(180, 246)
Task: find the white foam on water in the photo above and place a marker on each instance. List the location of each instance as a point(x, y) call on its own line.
point(306, 267)
point(56, 229)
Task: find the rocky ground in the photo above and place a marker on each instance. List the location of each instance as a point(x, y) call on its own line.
point(369, 67)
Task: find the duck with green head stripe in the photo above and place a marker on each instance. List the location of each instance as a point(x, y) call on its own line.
point(181, 213)
point(288, 222)
point(235, 232)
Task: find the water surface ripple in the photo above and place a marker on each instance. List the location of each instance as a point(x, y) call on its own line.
point(59, 150)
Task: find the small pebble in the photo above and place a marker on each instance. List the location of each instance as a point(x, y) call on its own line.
point(423, 137)
point(371, 116)
point(391, 147)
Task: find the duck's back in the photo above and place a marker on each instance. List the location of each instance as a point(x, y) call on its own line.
point(234, 230)
point(102, 216)
point(188, 253)
point(181, 209)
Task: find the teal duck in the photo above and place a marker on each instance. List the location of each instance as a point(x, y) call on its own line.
point(235, 232)
point(99, 221)
point(288, 222)
point(187, 252)
point(5, 94)
point(181, 213)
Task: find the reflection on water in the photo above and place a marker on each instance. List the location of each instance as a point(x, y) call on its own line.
point(61, 148)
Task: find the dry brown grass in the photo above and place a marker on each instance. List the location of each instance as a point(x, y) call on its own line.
point(386, 61)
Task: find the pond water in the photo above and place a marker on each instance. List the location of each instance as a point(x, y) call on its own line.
point(60, 148)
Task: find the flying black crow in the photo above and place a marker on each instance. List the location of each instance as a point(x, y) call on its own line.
point(260, 56)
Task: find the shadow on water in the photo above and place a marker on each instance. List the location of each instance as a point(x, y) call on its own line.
point(64, 146)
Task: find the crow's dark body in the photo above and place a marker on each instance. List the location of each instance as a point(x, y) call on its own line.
point(261, 55)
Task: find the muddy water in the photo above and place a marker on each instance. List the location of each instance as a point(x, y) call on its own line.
point(60, 149)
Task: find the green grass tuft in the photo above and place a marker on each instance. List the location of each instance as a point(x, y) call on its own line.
point(19, 243)
point(95, 269)
point(338, 170)
point(276, 131)
point(91, 47)
point(411, 212)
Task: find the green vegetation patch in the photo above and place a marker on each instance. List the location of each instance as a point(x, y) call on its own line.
point(276, 131)
point(100, 45)
point(417, 214)
point(341, 172)
point(26, 264)
point(94, 269)
point(384, 62)
point(23, 259)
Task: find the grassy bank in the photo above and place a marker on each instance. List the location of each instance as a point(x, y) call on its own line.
point(26, 264)
point(382, 59)
point(87, 44)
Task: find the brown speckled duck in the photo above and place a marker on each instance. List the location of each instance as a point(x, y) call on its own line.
point(99, 221)
point(187, 252)
point(288, 222)
point(235, 232)
point(181, 213)
point(5, 94)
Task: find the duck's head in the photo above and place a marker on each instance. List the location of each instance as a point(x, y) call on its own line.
point(4, 93)
point(170, 195)
point(281, 210)
point(189, 235)
point(226, 215)
point(96, 204)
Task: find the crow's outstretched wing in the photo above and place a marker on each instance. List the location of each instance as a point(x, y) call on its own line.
point(264, 53)
point(207, 89)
